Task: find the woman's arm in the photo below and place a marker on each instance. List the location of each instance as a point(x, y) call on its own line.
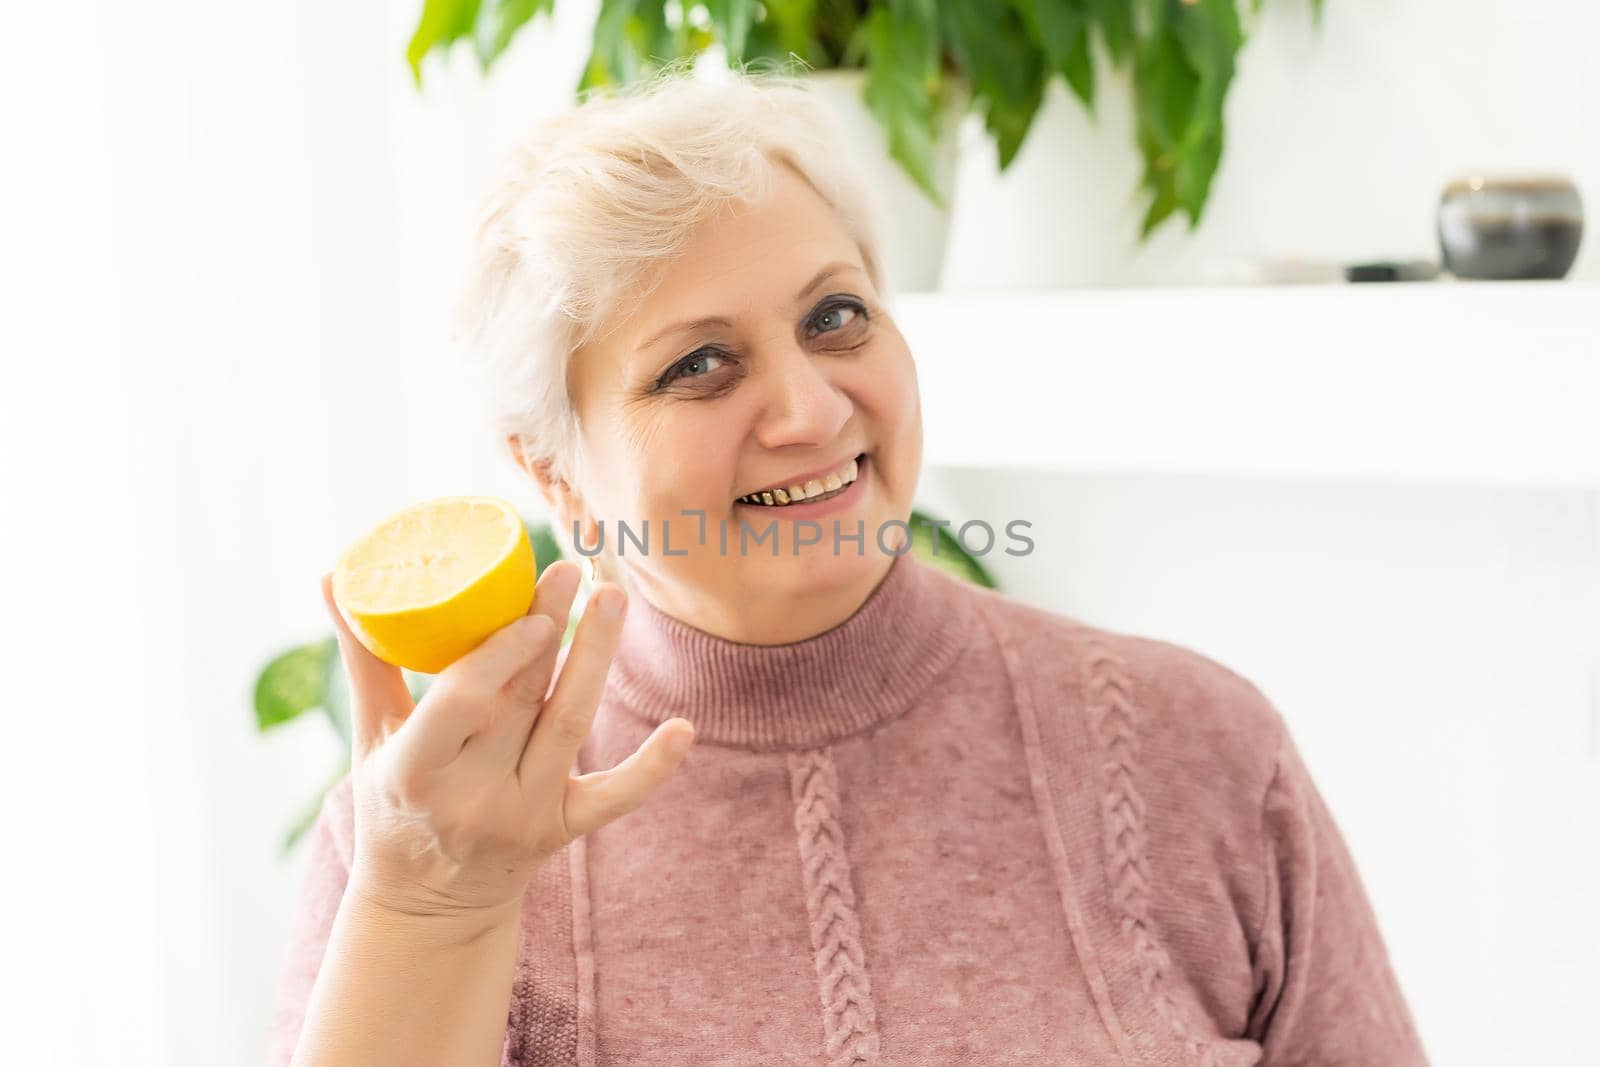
point(361, 983)
point(398, 989)
point(406, 948)
point(1326, 992)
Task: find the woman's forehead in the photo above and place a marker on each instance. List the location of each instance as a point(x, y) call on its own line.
point(764, 251)
point(752, 265)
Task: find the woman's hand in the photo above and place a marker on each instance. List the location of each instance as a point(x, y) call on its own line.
point(459, 799)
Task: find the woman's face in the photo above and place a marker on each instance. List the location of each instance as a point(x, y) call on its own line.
point(763, 361)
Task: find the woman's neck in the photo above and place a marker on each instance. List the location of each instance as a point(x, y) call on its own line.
point(866, 669)
point(750, 614)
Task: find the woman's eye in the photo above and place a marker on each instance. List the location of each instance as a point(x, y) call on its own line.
point(830, 319)
point(695, 366)
point(842, 314)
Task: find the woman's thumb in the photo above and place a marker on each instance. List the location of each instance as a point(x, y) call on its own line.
point(379, 698)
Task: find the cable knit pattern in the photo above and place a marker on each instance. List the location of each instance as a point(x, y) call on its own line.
point(850, 1025)
point(1113, 718)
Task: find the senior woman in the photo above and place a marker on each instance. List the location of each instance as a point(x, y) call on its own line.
point(920, 823)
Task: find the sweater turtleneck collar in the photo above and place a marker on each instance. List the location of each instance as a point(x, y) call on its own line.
point(866, 670)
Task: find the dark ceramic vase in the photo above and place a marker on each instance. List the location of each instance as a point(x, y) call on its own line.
point(1505, 228)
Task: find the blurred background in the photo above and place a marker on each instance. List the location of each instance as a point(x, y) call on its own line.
point(233, 235)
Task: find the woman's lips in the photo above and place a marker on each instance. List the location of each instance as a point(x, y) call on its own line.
point(818, 507)
point(796, 486)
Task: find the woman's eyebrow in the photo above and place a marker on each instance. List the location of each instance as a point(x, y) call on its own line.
point(684, 327)
point(817, 279)
point(836, 267)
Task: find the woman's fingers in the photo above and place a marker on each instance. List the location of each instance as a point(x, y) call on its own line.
point(569, 713)
point(592, 800)
point(513, 709)
point(467, 702)
point(529, 686)
point(500, 742)
point(517, 647)
point(440, 730)
point(553, 596)
point(379, 699)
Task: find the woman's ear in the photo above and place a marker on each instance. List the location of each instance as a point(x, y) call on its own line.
point(563, 500)
point(551, 487)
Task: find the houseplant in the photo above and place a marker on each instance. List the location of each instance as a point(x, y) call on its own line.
point(915, 53)
point(308, 679)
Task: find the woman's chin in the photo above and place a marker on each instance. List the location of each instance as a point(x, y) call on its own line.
point(816, 568)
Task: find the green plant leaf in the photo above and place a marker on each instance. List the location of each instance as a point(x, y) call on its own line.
point(292, 683)
point(938, 546)
point(1182, 70)
point(902, 87)
point(839, 27)
point(731, 20)
point(1182, 55)
point(795, 27)
point(1164, 92)
point(632, 41)
point(1005, 68)
point(1116, 22)
point(1061, 29)
point(442, 23)
point(857, 46)
point(1211, 37)
point(546, 549)
point(499, 22)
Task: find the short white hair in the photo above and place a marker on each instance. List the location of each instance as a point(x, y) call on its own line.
point(591, 205)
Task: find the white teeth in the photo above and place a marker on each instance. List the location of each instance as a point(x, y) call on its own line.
point(794, 494)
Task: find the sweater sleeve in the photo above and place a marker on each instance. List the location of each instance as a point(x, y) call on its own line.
point(321, 890)
point(1325, 991)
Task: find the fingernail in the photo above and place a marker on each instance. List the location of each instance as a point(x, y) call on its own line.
point(678, 743)
point(611, 601)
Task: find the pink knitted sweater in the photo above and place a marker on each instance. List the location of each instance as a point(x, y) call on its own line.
point(952, 829)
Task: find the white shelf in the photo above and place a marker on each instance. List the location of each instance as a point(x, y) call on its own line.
point(1485, 383)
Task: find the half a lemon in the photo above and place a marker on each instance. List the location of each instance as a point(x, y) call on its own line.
point(431, 583)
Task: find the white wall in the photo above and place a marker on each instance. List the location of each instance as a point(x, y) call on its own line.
point(232, 236)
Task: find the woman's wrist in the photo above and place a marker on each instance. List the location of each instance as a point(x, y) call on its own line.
point(442, 926)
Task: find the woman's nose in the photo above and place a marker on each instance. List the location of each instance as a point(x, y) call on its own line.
point(804, 406)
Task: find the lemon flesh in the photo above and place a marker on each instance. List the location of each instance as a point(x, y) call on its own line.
point(431, 583)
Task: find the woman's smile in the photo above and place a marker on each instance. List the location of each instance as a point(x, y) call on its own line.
point(834, 491)
point(812, 485)
point(829, 503)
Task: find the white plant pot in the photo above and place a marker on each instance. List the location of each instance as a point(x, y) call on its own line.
point(915, 231)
